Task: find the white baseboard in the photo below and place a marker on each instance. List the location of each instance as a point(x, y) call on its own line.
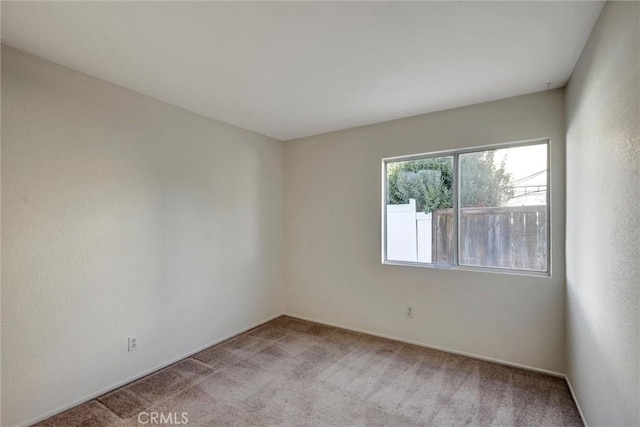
point(143, 374)
point(433, 347)
point(575, 400)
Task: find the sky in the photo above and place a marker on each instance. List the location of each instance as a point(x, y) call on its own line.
point(521, 163)
point(525, 161)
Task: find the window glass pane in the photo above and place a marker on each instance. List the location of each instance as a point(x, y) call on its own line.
point(503, 208)
point(419, 211)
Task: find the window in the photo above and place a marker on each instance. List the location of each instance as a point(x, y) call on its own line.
point(482, 208)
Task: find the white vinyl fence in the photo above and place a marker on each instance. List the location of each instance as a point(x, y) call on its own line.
point(408, 233)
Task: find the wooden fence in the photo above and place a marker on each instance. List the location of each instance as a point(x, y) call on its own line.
point(507, 237)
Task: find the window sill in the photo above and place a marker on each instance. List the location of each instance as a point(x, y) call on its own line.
point(508, 271)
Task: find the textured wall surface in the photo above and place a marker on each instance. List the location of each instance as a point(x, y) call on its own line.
point(603, 222)
point(333, 243)
point(123, 215)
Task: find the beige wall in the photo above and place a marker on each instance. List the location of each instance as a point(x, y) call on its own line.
point(603, 223)
point(332, 224)
point(123, 215)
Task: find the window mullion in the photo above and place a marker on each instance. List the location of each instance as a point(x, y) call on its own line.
point(456, 205)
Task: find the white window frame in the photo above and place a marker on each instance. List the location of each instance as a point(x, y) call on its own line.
point(456, 208)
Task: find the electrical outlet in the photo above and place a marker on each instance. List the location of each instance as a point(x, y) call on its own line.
point(410, 312)
point(133, 343)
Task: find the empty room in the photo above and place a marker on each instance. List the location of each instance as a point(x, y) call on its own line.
point(320, 213)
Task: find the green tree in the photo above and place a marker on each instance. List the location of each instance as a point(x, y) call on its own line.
point(482, 184)
point(430, 182)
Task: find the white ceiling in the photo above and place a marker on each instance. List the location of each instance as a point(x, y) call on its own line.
point(289, 70)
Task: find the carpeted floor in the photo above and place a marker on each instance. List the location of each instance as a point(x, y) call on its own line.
point(294, 373)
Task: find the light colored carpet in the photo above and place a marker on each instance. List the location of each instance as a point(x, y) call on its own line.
point(290, 372)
